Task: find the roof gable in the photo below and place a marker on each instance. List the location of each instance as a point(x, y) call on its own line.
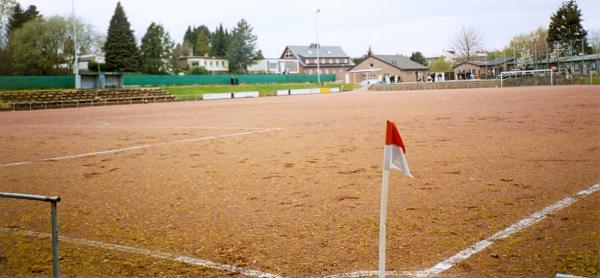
point(400, 62)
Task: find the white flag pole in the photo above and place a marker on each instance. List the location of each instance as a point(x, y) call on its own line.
point(387, 152)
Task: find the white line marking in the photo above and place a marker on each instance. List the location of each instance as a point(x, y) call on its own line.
point(524, 223)
point(108, 126)
point(149, 253)
point(481, 245)
point(367, 273)
point(196, 139)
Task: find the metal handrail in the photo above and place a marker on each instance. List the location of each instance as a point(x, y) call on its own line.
point(54, 219)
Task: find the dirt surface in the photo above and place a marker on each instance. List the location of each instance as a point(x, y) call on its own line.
point(304, 200)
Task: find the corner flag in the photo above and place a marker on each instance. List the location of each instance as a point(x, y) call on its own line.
point(393, 158)
point(395, 150)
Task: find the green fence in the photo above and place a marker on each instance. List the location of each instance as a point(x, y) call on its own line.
point(37, 82)
point(68, 81)
point(170, 80)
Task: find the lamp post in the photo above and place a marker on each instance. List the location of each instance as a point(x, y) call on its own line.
point(318, 46)
point(76, 61)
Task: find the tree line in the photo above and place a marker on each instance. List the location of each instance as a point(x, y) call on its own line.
point(31, 44)
point(565, 36)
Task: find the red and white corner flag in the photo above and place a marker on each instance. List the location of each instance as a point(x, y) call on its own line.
point(393, 158)
point(395, 150)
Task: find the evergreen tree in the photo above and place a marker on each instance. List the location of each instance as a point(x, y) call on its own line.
point(188, 36)
point(566, 29)
point(259, 55)
point(20, 17)
point(178, 52)
point(202, 44)
point(120, 47)
point(198, 40)
point(418, 58)
point(156, 50)
point(241, 49)
point(219, 42)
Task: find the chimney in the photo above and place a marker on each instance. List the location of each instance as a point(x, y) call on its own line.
point(314, 45)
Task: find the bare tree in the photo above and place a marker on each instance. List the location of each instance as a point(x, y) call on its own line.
point(467, 41)
point(594, 38)
point(6, 10)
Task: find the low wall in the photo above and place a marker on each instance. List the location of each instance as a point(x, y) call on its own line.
point(413, 86)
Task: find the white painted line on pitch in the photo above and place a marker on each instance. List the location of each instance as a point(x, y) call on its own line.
point(149, 253)
point(367, 273)
point(145, 146)
point(481, 245)
point(108, 126)
point(524, 223)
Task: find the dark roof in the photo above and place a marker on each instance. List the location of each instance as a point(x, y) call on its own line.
point(311, 52)
point(580, 58)
point(500, 60)
point(400, 62)
point(491, 63)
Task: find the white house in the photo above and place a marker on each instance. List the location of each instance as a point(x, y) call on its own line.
point(212, 64)
point(277, 66)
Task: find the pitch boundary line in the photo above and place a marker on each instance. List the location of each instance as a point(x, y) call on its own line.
point(149, 253)
point(145, 146)
point(483, 244)
point(433, 271)
point(108, 126)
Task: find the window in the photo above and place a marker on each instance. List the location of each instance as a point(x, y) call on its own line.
point(331, 61)
point(371, 65)
point(211, 63)
point(337, 61)
point(195, 64)
point(345, 61)
point(594, 65)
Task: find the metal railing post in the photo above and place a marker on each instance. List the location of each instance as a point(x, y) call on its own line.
point(54, 222)
point(55, 256)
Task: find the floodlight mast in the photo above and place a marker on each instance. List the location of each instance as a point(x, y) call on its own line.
point(76, 60)
point(318, 47)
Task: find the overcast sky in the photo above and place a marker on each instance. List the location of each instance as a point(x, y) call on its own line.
point(389, 26)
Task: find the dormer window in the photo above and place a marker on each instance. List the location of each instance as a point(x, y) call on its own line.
point(310, 52)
